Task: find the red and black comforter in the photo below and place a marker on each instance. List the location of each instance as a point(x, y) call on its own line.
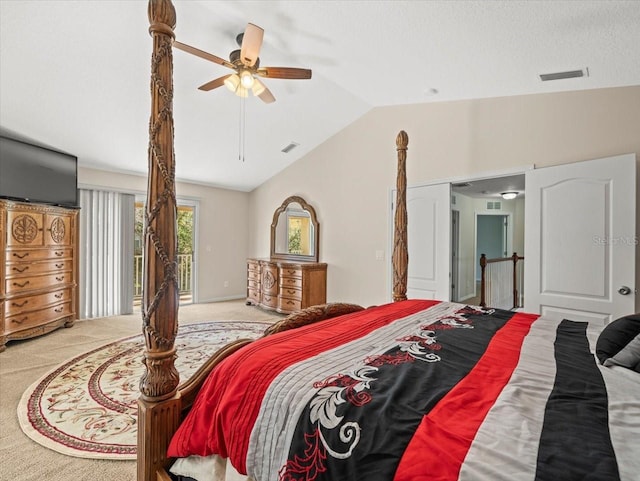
point(410, 391)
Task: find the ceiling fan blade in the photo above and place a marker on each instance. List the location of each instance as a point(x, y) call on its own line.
point(202, 54)
point(214, 84)
point(266, 96)
point(284, 72)
point(251, 43)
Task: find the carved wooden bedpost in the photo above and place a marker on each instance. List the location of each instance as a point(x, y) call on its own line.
point(400, 245)
point(159, 403)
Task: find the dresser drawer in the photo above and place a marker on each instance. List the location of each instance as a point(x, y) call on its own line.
point(286, 304)
point(269, 300)
point(253, 265)
point(27, 255)
point(57, 230)
point(253, 284)
point(253, 275)
point(36, 318)
point(290, 282)
point(291, 293)
point(269, 281)
point(24, 228)
point(13, 286)
point(32, 303)
point(28, 269)
point(253, 295)
point(291, 272)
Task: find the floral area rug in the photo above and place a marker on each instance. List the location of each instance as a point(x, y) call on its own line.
point(87, 407)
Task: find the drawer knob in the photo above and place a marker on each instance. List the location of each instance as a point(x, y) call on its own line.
point(59, 278)
point(60, 265)
point(58, 295)
point(20, 269)
point(17, 284)
point(25, 318)
point(59, 309)
point(15, 304)
point(20, 256)
point(59, 253)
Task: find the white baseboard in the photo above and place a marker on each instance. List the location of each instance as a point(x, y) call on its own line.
point(221, 299)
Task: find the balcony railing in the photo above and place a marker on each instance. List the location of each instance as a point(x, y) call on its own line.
point(185, 273)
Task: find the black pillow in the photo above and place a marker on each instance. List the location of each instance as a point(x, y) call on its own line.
point(616, 335)
point(628, 357)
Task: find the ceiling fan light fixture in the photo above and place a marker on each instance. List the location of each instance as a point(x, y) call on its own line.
point(242, 92)
point(246, 79)
point(232, 82)
point(509, 195)
point(258, 87)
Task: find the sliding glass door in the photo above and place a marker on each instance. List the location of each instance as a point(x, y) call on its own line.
point(186, 229)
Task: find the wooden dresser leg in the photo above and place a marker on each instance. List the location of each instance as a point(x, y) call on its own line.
point(157, 421)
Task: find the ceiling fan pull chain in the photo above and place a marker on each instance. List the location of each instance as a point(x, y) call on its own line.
point(241, 142)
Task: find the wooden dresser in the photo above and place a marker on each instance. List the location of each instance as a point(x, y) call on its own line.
point(286, 286)
point(39, 269)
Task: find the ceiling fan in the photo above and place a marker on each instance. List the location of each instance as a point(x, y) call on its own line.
point(246, 63)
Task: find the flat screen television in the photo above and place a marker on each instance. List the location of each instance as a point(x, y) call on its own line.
point(32, 173)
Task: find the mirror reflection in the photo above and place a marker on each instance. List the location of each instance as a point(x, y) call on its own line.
point(294, 231)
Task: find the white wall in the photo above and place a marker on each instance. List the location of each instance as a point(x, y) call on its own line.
point(347, 179)
point(223, 230)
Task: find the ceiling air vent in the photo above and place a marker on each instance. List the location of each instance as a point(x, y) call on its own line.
point(494, 205)
point(562, 75)
point(290, 147)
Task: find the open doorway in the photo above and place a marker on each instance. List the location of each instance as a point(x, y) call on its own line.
point(480, 213)
point(185, 225)
point(492, 237)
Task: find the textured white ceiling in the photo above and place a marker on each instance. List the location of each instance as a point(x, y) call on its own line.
point(75, 74)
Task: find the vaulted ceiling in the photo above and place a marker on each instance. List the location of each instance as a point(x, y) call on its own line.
point(75, 74)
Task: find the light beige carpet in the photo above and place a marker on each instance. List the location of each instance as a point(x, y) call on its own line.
point(23, 362)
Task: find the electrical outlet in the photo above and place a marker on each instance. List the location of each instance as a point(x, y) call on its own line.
point(226, 284)
point(379, 255)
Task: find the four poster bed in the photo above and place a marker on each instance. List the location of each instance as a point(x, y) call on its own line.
point(411, 390)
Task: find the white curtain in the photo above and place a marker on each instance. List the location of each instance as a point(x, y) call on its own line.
point(106, 253)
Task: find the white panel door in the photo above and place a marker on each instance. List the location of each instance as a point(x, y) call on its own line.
point(429, 241)
point(580, 239)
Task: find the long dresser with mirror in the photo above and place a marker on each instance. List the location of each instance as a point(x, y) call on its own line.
point(292, 278)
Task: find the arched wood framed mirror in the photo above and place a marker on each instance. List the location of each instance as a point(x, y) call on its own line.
point(295, 231)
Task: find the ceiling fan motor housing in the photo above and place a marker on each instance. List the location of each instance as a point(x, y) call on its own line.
point(234, 58)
